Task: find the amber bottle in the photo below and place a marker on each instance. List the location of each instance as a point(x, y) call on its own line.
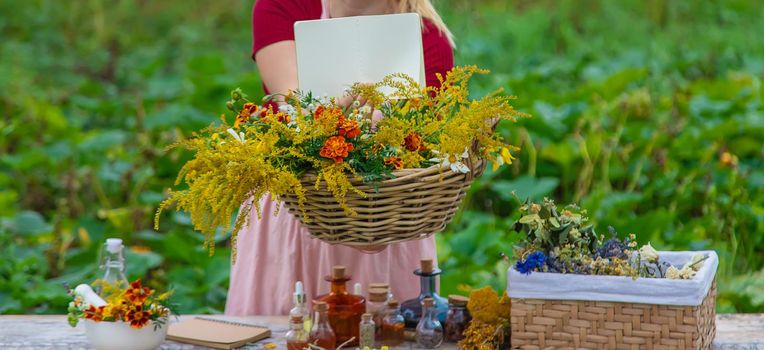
point(322, 334)
point(345, 309)
point(393, 325)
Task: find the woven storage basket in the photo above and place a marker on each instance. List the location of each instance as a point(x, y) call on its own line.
point(571, 324)
point(569, 311)
point(415, 204)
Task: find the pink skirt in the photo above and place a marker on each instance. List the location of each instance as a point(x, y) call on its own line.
point(276, 251)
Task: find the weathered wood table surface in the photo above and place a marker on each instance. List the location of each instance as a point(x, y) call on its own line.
point(734, 331)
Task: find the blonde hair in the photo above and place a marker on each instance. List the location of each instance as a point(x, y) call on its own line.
point(425, 9)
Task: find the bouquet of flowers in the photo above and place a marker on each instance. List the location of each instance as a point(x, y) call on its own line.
point(263, 149)
point(135, 305)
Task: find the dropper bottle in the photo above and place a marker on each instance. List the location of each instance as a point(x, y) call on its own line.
point(300, 309)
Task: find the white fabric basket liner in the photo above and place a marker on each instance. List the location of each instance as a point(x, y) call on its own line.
point(663, 291)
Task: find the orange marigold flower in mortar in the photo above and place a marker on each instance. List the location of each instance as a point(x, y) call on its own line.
point(395, 162)
point(94, 313)
point(348, 127)
point(136, 293)
point(413, 142)
point(137, 316)
point(336, 148)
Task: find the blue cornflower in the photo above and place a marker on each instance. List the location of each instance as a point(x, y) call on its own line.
point(535, 260)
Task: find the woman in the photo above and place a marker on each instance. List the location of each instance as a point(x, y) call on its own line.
point(276, 251)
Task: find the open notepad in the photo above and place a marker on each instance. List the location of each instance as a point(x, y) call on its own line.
point(218, 334)
point(332, 54)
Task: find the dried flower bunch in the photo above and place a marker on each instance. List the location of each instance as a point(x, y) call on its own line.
point(136, 305)
point(489, 328)
point(561, 242)
point(268, 151)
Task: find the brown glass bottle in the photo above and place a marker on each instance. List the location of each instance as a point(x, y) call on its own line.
point(321, 334)
point(345, 309)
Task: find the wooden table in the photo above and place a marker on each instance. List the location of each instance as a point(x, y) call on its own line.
point(734, 331)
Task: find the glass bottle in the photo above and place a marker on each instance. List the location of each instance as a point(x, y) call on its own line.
point(393, 325)
point(429, 332)
point(367, 331)
point(376, 306)
point(345, 309)
point(113, 264)
point(322, 334)
point(412, 309)
point(457, 319)
point(300, 309)
point(297, 337)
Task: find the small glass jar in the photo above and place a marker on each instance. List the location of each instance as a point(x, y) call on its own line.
point(393, 325)
point(297, 337)
point(376, 305)
point(367, 331)
point(457, 319)
point(429, 331)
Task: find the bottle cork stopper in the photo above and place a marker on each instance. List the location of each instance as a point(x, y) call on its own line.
point(377, 294)
point(367, 316)
point(338, 272)
point(426, 265)
point(428, 302)
point(457, 300)
point(379, 285)
point(320, 306)
point(393, 303)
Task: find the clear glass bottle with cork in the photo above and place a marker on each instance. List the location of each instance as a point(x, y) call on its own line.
point(297, 337)
point(345, 309)
point(457, 319)
point(393, 325)
point(322, 334)
point(377, 305)
point(429, 331)
point(412, 308)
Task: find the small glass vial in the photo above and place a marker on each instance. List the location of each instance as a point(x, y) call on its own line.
point(367, 331)
point(457, 319)
point(429, 332)
point(393, 325)
point(297, 337)
point(322, 334)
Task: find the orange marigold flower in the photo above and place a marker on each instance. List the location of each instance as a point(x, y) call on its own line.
point(321, 110)
point(94, 313)
point(336, 148)
point(413, 142)
point(395, 162)
point(248, 109)
point(136, 293)
point(282, 117)
point(348, 127)
point(137, 316)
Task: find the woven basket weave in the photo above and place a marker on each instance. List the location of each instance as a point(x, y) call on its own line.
point(570, 324)
point(415, 204)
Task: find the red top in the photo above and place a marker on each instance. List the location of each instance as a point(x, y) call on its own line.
point(273, 21)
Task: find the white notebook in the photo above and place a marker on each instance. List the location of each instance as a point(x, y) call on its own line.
point(332, 54)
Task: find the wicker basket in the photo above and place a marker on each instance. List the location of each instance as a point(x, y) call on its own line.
point(415, 204)
point(542, 324)
point(570, 311)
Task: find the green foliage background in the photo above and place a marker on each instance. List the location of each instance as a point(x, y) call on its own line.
point(634, 104)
